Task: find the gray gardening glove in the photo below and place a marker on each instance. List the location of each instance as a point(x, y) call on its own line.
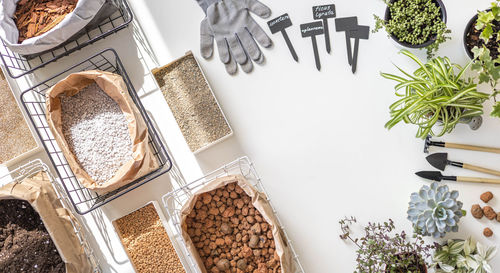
point(234, 30)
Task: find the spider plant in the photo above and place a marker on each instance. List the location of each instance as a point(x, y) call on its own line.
point(436, 92)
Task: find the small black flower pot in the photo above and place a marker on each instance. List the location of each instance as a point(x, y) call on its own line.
point(469, 29)
point(432, 39)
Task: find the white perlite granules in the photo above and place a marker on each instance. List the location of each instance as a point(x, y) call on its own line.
point(96, 131)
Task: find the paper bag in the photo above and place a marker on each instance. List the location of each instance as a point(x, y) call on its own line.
point(259, 201)
point(143, 160)
point(38, 191)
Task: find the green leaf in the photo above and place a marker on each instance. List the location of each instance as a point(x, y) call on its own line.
point(496, 110)
point(486, 33)
point(485, 17)
point(483, 77)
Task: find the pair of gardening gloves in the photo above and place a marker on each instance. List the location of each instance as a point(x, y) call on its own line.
point(236, 33)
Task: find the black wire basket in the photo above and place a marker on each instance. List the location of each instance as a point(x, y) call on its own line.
point(33, 100)
point(19, 65)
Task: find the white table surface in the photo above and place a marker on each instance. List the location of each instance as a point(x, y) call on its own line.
point(317, 138)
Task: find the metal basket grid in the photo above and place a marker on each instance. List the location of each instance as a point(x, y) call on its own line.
point(32, 168)
point(33, 100)
point(18, 65)
point(175, 200)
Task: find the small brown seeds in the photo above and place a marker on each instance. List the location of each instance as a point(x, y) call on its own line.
point(487, 232)
point(223, 265)
point(489, 212)
point(241, 264)
point(254, 240)
point(477, 211)
point(226, 229)
point(487, 196)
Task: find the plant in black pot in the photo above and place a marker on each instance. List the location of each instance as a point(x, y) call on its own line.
point(382, 249)
point(415, 23)
point(483, 31)
point(481, 41)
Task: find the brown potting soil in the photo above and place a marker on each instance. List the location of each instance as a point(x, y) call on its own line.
point(474, 40)
point(25, 244)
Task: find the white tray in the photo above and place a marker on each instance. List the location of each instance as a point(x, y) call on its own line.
point(184, 260)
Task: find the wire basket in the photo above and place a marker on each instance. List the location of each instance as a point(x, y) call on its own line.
point(33, 100)
point(175, 200)
point(34, 167)
point(18, 65)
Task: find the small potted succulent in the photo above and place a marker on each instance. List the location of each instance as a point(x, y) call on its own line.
point(415, 24)
point(437, 93)
point(462, 256)
point(382, 249)
point(435, 210)
point(483, 31)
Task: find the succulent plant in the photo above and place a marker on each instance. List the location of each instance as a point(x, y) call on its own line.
point(434, 210)
point(463, 256)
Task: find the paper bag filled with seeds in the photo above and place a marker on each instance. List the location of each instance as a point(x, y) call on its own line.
point(36, 233)
point(228, 226)
point(100, 130)
point(33, 26)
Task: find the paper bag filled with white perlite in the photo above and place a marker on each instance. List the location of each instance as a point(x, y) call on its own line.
point(100, 130)
point(228, 226)
point(36, 231)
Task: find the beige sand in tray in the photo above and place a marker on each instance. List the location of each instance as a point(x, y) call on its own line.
point(192, 103)
point(15, 135)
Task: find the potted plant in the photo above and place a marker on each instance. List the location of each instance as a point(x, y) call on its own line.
point(482, 31)
point(382, 249)
point(435, 210)
point(415, 24)
point(481, 42)
point(436, 93)
point(462, 256)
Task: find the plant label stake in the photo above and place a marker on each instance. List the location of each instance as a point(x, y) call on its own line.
point(323, 13)
point(346, 24)
point(361, 32)
point(311, 30)
point(279, 24)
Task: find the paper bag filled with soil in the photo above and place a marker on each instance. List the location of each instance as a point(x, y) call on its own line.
point(38, 192)
point(31, 27)
point(228, 225)
point(100, 130)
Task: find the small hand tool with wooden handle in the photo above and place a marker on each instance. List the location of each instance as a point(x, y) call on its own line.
point(437, 176)
point(429, 142)
point(440, 161)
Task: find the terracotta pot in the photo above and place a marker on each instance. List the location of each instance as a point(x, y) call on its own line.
point(444, 18)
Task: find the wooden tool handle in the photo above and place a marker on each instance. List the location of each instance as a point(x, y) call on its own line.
point(472, 147)
point(481, 169)
point(477, 179)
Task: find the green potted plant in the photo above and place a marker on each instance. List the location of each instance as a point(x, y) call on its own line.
point(462, 256)
point(482, 31)
point(435, 93)
point(415, 24)
point(381, 249)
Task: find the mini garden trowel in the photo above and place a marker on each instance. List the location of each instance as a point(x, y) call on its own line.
point(437, 176)
point(440, 161)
